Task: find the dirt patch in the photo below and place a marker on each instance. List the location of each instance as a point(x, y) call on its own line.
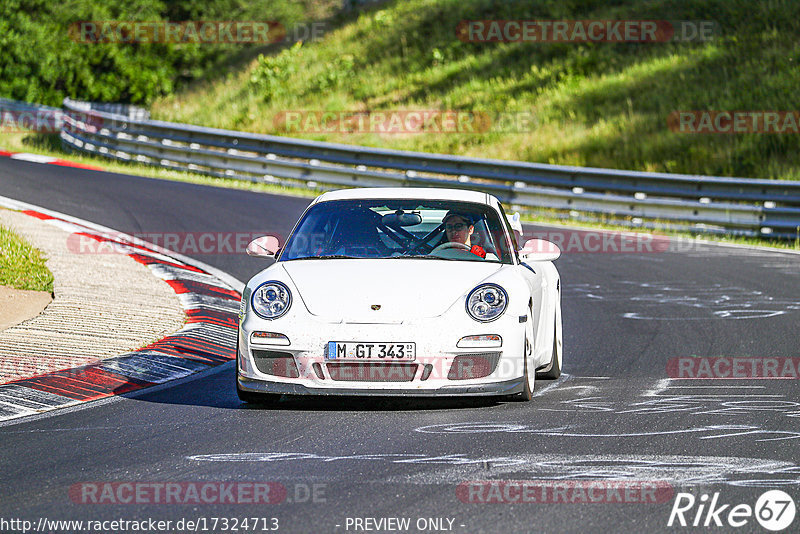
point(19, 305)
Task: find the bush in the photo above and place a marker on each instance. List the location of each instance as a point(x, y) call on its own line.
point(269, 77)
point(43, 62)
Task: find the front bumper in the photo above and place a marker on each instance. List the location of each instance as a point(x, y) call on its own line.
point(509, 387)
point(304, 370)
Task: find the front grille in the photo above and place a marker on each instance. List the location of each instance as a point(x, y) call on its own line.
point(271, 362)
point(478, 365)
point(372, 372)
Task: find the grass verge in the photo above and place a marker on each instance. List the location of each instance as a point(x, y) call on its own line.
point(21, 265)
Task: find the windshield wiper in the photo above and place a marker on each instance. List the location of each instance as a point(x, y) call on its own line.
point(427, 257)
point(329, 257)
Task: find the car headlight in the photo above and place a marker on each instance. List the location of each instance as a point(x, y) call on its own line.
point(271, 299)
point(487, 302)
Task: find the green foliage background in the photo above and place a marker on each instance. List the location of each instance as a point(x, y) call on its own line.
point(40, 62)
point(595, 104)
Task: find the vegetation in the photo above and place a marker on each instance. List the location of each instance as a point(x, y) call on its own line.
point(594, 104)
point(44, 57)
point(21, 265)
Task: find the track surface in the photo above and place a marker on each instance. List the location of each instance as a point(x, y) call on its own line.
point(615, 415)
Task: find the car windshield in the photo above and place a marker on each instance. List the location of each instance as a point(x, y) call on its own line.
point(413, 229)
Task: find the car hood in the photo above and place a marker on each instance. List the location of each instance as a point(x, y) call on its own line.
point(405, 289)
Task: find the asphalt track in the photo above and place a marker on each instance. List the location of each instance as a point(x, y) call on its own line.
point(616, 414)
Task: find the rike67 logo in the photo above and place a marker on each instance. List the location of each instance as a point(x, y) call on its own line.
point(774, 510)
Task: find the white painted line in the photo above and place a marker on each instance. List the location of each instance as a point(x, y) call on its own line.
point(564, 377)
point(720, 386)
point(595, 377)
point(36, 158)
point(660, 386)
point(692, 396)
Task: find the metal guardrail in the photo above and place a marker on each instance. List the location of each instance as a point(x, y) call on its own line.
point(125, 110)
point(698, 203)
point(34, 116)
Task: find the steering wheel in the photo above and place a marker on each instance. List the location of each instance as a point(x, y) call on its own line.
point(451, 244)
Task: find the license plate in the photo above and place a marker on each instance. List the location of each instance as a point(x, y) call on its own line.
point(374, 352)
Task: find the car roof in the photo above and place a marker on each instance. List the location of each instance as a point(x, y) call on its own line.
point(426, 193)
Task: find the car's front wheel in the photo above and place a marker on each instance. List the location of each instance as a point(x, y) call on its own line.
point(528, 375)
point(555, 363)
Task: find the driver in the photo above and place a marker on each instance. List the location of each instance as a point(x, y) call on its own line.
point(458, 229)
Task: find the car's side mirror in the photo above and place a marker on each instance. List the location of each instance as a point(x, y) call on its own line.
point(515, 222)
point(539, 250)
point(264, 247)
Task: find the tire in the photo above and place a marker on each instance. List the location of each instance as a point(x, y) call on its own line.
point(527, 390)
point(555, 365)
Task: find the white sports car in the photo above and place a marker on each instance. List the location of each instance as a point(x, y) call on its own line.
point(400, 291)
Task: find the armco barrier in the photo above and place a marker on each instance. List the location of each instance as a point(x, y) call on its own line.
point(124, 110)
point(699, 203)
point(14, 114)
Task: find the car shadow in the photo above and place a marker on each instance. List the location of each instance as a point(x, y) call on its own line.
point(341, 403)
point(217, 390)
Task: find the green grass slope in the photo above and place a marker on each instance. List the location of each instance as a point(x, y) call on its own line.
point(595, 104)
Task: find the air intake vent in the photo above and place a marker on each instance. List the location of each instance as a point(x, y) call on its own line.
point(478, 365)
point(426, 372)
point(372, 372)
point(275, 363)
point(318, 371)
